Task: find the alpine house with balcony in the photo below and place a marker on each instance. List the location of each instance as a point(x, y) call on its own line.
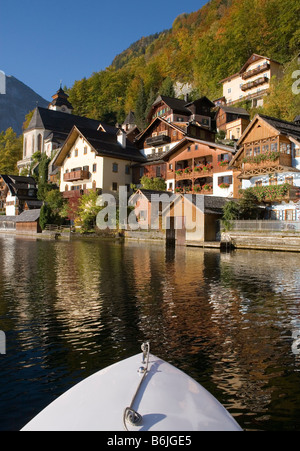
point(201, 167)
point(96, 160)
point(268, 160)
point(251, 82)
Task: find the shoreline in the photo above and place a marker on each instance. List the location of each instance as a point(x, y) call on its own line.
point(229, 241)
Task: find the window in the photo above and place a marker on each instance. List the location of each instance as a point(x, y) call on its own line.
point(85, 150)
point(229, 90)
point(76, 152)
point(273, 181)
point(258, 183)
point(115, 186)
point(127, 169)
point(256, 150)
point(115, 167)
point(94, 167)
point(39, 142)
point(143, 215)
point(158, 171)
point(289, 180)
point(226, 179)
point(274, 147)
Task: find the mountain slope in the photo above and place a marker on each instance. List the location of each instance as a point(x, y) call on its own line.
point(18, 101)
point(201, 49)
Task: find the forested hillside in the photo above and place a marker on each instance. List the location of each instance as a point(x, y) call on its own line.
point(201, 48)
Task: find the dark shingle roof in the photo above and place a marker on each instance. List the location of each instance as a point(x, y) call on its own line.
point(284, 127)
point(59, 122)
point(233, 110)
point(149, 192)
point(177, 105)
point(106, 144)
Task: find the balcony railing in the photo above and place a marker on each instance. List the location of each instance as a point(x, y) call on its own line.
point(255, 83)
point(259, 162)
point(257, 70)
point(158, 140)
point(206, 189)
point(76, 175)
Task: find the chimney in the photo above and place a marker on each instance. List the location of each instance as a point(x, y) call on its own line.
point(121, 136)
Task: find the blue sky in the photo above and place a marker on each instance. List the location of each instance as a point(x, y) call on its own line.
point(43, 42)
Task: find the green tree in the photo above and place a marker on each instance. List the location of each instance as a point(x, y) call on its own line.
point(45, 216)
point(156, 183)
point(43, 185)
point(167, 88)
point(141, 107)
point(87, 211)
point(11, 150)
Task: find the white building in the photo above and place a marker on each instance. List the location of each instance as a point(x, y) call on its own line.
point(251, 82)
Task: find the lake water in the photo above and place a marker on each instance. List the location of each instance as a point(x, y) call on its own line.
point(230, 320)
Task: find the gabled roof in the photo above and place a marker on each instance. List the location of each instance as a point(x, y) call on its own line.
point(177, 105)
point(233, 110)
point(148, 193)
point(160, 119)
point(188, 140)
point(58, 121)
point(18, 182)
point(207, 204)
point(103, 143)
point(288, 129)
point(253, 58)
point(29, 216)
point(130, 119)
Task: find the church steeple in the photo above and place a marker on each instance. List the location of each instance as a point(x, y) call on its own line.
point(60, 102)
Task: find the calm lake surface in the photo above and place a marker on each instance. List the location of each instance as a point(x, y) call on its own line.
point(231, 321)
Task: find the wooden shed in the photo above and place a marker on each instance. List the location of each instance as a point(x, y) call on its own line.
point(29, 222)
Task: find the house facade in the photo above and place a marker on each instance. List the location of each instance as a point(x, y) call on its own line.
point(95, 160)
point(251, 82)
point(170, 121)
point(197, 166)
point(178, 110)
point(233, 121)
point(18, 194)
point(268, 160)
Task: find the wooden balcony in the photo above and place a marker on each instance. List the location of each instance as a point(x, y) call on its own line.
point(159, 140)
point(252, 168)
point(253, 84)
point(189, 174)
point(206, 189)
point(256, 71)
point(76, 175)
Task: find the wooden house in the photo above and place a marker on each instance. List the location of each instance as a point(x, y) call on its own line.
point(197, 166)
point(18, 193)
point(194, 219)
point(158, 139)
point(268, 160)
point(233, 121)
point(178, 110)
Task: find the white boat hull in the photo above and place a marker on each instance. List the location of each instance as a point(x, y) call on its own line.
point(167, 400)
